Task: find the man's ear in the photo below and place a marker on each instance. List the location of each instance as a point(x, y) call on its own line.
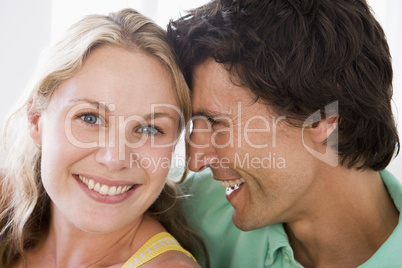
point(33, 123)
point(325, 127)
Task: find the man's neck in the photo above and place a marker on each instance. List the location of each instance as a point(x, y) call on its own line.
point(352, 219)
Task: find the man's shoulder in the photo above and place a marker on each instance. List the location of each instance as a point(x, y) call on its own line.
point(203, 193)
point(394, 187)
point(388, 255)
point(201, 184)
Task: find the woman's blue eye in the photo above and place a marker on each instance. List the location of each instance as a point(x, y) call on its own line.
point(149, 130)
point(91, 119)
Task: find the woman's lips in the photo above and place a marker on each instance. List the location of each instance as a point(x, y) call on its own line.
point(105, 192)
point(105, 189)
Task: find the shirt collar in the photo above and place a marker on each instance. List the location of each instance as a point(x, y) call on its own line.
point(278, 241)
point(388, 255)
point(394, 188)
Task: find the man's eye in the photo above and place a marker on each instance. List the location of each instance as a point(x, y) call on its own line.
point(148, 130)
point(91, 119)
point(212, 121)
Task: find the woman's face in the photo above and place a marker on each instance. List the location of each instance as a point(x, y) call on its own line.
point(107, 137)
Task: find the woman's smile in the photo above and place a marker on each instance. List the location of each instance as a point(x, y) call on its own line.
point(108, 193)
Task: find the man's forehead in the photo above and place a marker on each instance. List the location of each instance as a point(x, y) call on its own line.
point(213, 90)
point(210, 77)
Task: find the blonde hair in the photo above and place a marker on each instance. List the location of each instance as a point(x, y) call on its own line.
point(24, 204)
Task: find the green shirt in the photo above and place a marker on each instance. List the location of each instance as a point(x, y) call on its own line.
point(210, 214)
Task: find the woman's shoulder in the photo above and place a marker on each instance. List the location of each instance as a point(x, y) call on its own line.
point(172, 258)
point(159, 249)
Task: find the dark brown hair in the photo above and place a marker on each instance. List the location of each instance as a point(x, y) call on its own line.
point(299, 56)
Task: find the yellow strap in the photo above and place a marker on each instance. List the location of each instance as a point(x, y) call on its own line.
point(156, 245)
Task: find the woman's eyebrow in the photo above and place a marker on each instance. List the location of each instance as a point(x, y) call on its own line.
point(96, 104)
point(151, 116)
point(103, 106)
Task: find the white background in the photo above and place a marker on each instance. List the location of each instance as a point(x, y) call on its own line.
point(27, 27)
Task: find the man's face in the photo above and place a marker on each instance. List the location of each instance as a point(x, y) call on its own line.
point(253, 152)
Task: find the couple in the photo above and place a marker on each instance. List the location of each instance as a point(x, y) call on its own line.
point(291, 114)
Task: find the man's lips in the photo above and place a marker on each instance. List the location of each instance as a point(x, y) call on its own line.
point(232, 183)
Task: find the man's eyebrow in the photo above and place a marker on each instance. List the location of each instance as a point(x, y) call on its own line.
point(96, 104)
point(207, 113)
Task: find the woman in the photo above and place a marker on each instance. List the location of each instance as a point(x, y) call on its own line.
point(85, 184)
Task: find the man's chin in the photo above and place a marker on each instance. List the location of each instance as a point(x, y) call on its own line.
point(247, 222)
point(241, 223)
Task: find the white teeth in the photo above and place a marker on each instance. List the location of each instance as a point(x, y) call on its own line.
point(112, 190)
point(91, 184)
point(230, 190)
point(232, 183)
point(97, 187)
point(233, 188)
point(104, 189)
point(118, 191)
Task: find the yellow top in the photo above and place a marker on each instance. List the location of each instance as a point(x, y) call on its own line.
point(156, 245)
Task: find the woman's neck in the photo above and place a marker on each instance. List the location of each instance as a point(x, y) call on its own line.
point(68, 246)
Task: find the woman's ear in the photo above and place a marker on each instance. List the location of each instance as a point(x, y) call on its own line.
point(325, 127)
point(34, 123)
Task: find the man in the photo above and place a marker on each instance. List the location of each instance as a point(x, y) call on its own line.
point(292, 114)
